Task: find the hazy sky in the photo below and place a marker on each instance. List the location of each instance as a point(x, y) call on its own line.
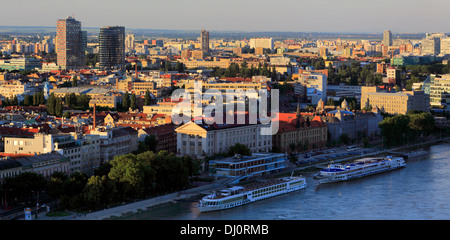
point(240, 15)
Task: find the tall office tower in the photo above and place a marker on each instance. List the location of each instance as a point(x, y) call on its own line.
point(111, 47)
point(129, 42)
point(205, 41)
point(387, 38)
point(71, 44)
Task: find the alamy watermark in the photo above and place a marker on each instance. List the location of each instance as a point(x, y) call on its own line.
point(232, 109)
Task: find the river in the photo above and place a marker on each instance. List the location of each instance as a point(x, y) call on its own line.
point(421, 191)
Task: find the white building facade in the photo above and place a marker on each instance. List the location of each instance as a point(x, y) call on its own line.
point(200, 140)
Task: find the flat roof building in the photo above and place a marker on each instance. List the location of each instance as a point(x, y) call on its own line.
point(262, 42)
point(258, 164)
point(395, 102)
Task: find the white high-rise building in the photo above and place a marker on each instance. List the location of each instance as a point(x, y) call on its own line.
point(129, 42)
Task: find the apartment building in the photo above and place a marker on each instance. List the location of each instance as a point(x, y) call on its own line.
point(37, 144)
point(164, 134)
point(115, 141)
point(138, 87)
point(13, 88)
point(9, 168)
point(200, 139)
point(109, 101)
point(438, 87)
point(395, 102)
point(82, 151)
point(20, 63)
point(129, 42)
point(45, 164)
point(342, 91)
point(316, 86)
point(200, 63)
point(224, 86)
point(166, 107)
point(262, 43)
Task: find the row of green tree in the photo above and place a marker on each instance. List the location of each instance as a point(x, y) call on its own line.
point(128, 101)
point(125, 178)
point(79, 102)
point(28, 100)
point(165, 66)
point(350, 74)
point(55, 104)
point(236, 70)
point(425, 70)
point(402, 129)
point(34, 100)
point(354, 74)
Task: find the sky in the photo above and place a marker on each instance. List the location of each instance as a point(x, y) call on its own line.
point(358, 16)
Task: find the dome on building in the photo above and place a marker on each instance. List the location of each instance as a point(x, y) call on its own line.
point(342, 112)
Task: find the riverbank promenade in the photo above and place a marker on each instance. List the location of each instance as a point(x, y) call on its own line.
point(138, 205)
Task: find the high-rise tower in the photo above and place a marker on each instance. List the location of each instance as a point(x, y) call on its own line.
point(205, 41)
point(387, 38)
point(71, 44)
point(111, 47)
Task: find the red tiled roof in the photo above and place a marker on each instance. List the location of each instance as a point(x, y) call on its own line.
point(288, 121)
point(160, 130)
point(15, 155)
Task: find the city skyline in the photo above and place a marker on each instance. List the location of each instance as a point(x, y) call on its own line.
point(295, 16)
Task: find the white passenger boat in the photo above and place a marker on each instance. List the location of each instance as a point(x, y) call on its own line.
point(240, 195)
point(359, 168)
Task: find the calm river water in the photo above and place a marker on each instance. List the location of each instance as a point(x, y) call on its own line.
point(421, 191)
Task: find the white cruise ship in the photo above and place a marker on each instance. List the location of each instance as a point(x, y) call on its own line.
point(359, 168)
point(240, 195)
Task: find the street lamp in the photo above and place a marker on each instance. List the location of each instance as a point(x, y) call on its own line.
point(37, 203)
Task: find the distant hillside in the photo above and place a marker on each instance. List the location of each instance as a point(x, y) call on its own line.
point(194, 34)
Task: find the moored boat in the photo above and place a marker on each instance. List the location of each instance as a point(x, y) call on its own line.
point(359, 168)
point(240, 195)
